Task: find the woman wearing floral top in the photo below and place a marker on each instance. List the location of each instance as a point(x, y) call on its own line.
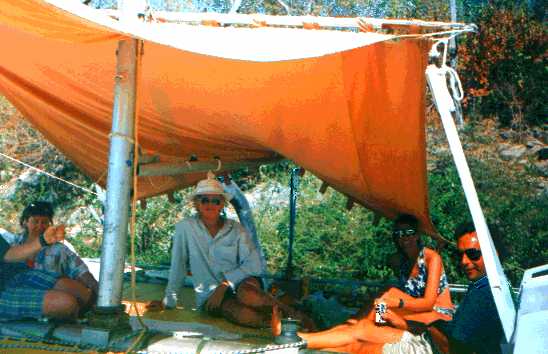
point(423, 291)
point(422, 296)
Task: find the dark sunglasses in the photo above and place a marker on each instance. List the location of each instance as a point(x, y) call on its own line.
point(473, 254)
point(207, 200)
point(403, 233)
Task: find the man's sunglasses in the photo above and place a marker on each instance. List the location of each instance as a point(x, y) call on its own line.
point(207, 200)
point(403, 233)
point(473, 254)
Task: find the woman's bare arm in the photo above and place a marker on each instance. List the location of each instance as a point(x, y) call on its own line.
point(425, 303)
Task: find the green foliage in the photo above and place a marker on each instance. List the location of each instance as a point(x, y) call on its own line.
point(155, 225)
point(332, 242)
point(509, 200)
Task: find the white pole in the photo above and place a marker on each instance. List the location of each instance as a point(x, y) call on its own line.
point(500, 288)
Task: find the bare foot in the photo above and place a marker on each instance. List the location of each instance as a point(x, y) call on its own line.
point(276, 322)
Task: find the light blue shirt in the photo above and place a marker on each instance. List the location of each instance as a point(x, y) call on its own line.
point(230, 255)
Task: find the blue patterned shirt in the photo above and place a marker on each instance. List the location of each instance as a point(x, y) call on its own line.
point(56, 258)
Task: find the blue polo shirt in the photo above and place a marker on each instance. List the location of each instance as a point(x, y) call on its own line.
point(476, 326)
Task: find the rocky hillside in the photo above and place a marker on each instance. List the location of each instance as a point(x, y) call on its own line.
point(524, 151)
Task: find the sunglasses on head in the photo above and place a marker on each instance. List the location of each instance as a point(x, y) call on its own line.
point(473, 254)
point(404, 233)
point(212, 200)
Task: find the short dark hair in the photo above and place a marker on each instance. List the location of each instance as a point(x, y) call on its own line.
point(37, 208)
point(407, 219)
point(496, 236)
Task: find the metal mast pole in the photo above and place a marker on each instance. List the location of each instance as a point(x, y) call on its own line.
point(120, 168)
point(293, 193)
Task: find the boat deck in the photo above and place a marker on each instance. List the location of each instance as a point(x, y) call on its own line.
point(185, 318)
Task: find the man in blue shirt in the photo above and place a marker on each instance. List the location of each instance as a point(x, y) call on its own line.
point(476, 326)
point(31, 293)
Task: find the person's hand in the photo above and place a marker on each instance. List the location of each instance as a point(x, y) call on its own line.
point(155, 306)
point(54, 234)
point(391, 302)
point(395, 320)
point(214, 301)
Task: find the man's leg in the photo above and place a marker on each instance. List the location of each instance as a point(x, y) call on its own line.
point(239, 313)
point(80, 292)
point(60, 304)
point(250, 293)
point(30, 294)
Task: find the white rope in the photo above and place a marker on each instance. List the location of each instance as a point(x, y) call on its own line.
point(47, 174)
point(456, 86)
point(452, 34)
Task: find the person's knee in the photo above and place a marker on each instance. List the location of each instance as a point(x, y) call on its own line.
point(249, 292)
point(250, 284)
point(59, 304)
point(244, 315)
point(76, 289)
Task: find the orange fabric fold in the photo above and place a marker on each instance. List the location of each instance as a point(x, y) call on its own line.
point(353, 118)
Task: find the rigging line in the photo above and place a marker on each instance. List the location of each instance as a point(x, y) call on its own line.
point(133, 221)
point(48, 174)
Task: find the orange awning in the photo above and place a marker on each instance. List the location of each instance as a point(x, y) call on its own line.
point(348, 107)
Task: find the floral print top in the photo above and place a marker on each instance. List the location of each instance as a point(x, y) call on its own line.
point(415, 286)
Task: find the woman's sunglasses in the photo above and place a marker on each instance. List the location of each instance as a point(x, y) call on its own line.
point(473, 254)
point(207, 200)
point(403, 233)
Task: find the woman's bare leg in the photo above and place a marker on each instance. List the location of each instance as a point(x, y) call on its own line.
point(341, 336)
point(335, 337)
point(359, 348)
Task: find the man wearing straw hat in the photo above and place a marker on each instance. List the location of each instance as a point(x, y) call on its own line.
point(224, 261)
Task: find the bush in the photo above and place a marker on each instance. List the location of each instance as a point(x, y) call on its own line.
point(503, 66)
point(509, 199)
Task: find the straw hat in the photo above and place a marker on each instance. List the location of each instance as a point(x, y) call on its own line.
point(210, 185)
